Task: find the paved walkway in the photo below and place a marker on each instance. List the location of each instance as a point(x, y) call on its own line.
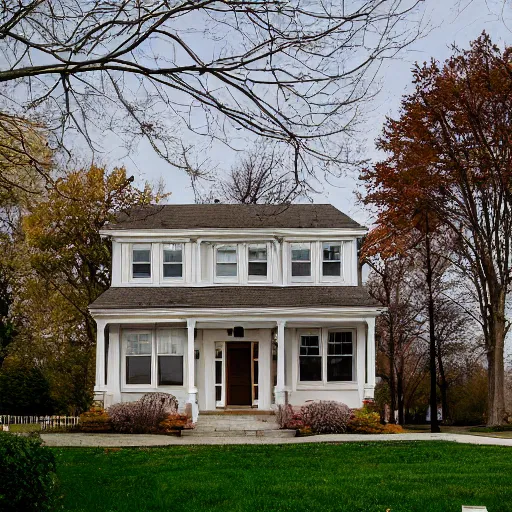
point(119, 440)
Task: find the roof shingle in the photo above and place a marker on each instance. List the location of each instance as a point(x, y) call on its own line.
point(233, 297)
point(234, 216)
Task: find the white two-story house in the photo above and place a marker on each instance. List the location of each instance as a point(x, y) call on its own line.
point(229, 306)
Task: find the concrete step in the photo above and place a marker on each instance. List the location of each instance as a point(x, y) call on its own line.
point(238, 433)
point(246, 426)
point(240, 417)
point(241, 424)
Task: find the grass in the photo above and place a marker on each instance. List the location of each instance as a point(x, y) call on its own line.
point(353, 477)
point(27, 427)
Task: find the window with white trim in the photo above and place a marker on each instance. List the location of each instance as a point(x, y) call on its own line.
point(257, 262)
point(226, 264)
point(141, 261)
point(172, 261)
point(301, 259)
point(219, 374)
point(340, 356)
point(331, 259)
point(154, 357)
point(310, 358)
point(170, 346)
point(138, 358)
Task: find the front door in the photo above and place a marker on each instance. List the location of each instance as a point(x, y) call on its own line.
point(239, 381)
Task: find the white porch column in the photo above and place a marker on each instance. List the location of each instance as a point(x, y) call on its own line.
point(280, 388)
point(369, 387)
point(114, 363)
point(100, 356)
point(192, 390)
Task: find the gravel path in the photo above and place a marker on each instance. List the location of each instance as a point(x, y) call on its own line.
point(119, 440)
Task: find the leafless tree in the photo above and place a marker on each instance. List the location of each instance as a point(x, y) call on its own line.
point(288, 70)
point(262, 175)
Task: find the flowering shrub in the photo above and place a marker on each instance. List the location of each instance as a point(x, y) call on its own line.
point(144, 415)
point(284, 415)
point(326, 417)
point(173, 422)
point(365, 421)
point(95, 420)
point(287, 417)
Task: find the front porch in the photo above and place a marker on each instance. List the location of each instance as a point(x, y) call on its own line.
point(231, 360)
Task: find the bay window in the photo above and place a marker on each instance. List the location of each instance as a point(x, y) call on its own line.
point(141, 261)
point(301, 259)
point(226, 261)
point(257, 261)
point(172, 261)
point(331, 260)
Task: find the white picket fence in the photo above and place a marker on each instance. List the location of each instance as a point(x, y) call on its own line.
point(46, 422)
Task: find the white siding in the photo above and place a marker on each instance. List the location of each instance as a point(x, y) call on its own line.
point(199, 264)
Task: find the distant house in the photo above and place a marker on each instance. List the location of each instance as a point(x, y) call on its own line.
point(235, 306)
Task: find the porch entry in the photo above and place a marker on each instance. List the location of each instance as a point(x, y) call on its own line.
point(242, 373)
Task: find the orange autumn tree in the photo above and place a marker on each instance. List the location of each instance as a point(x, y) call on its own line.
point(449, 156)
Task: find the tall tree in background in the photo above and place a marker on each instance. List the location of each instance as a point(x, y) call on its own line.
point(262, 175)
point(62, 266)
point(399, 328)
point(451, 149)
point(167, 71)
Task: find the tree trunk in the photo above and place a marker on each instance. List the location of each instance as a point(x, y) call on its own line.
point(400, 397)
point(443, 385)
point(496, 371)
point(434, 424)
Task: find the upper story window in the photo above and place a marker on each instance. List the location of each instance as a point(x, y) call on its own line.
point(141, 260)
point(226, 261)
point(331, 260)
point(257, 262)
point(301, 260)
point(172, 261)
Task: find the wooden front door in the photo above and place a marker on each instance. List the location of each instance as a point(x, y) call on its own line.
point(239, 382)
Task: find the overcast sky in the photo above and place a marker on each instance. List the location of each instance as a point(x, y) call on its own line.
point(451, 21)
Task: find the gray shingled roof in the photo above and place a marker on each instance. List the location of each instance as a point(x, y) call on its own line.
point(233, 297)
point(236, 216)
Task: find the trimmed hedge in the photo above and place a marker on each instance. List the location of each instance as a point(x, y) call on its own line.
point(27, 474)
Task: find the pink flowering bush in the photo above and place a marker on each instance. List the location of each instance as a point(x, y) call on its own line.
point(144, 415)
point(287, 417)
point(326, 417)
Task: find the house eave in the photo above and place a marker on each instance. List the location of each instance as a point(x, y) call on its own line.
point(292, 314)
point(242, 234)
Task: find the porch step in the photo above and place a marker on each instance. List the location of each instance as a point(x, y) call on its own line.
point(238, 433)
point(218, 424)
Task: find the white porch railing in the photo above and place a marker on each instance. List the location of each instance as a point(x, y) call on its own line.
point(46, 422)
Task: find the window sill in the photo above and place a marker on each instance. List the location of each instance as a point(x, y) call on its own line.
point(328, 386)
point(148, 388)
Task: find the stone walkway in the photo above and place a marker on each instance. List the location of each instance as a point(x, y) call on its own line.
point(127, 440)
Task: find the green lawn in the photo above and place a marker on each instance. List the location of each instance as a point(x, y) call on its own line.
point(366, 477)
